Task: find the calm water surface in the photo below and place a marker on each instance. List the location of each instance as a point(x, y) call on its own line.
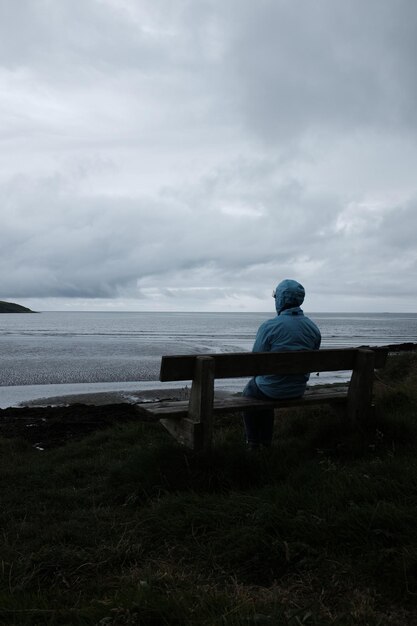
point(60, 348)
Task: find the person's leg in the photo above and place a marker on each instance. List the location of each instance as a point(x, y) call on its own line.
point(259, 423)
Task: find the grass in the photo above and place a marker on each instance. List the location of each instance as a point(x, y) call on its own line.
point(126, 527)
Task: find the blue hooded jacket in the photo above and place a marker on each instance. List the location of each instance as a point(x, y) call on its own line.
point(289, 330)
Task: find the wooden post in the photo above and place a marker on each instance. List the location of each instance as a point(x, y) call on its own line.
point(196, 430)
point(185, 431)
point(201, 402)
point(359, 401)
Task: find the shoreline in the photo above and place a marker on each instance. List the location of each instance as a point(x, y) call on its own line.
point(91, 393)
point(101, 397)
point(129, 392)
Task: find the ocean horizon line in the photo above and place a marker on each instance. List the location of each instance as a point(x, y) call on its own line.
point(179, 311)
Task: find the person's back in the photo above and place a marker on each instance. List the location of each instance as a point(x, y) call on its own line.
point(289, 330)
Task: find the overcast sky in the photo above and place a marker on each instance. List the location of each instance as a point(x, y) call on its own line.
point(190, 154)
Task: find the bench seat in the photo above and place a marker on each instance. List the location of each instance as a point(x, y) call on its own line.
point(230, 403)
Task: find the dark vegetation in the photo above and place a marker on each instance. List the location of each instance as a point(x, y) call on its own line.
point(11, 307)
point(121, 526)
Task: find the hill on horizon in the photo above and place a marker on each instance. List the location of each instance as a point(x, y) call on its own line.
point(12, 307)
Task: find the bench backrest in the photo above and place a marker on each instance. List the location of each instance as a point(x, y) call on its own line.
point(243, 364)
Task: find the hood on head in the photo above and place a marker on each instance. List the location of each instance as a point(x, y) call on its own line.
point(288, 294)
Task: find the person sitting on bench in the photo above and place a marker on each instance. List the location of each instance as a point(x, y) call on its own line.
point(289, 330)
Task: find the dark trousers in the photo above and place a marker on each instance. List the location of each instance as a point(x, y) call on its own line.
point(259, 423)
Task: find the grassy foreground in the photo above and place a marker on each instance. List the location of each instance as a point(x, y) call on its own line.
point(127, 528)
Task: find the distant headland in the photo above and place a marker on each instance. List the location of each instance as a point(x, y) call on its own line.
point(11, 307)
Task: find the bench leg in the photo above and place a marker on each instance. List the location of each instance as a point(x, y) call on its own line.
point(359, 402)
point(200, 409)
point(187, 432)
point(196, 430)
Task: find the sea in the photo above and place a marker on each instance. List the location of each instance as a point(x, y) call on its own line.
point(51, 354)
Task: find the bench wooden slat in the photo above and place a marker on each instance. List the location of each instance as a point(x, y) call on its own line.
point(179, 408)
point(242, 364)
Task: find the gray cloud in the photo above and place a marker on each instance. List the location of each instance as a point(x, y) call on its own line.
point(326, 66)
point(189, 155)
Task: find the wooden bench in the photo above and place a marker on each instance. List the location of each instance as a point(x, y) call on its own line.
point(191, 421)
